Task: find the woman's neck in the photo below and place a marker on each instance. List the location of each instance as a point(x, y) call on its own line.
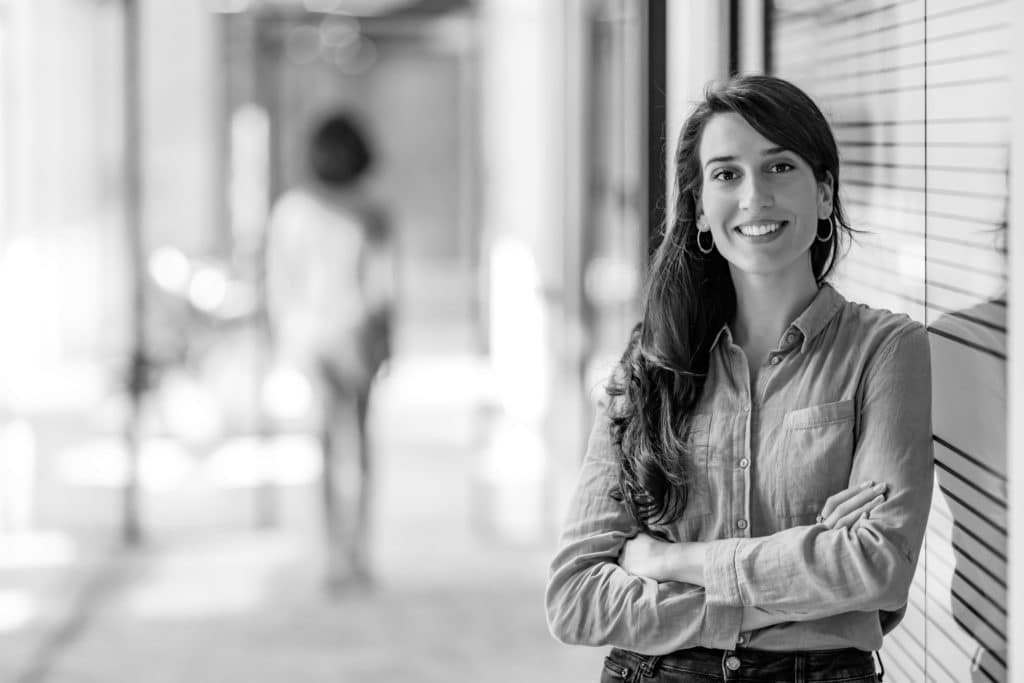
point(767, 304)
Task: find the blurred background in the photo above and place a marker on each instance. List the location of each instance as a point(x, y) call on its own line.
point(160, 472)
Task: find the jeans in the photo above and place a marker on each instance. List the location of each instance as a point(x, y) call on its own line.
point(701, 665)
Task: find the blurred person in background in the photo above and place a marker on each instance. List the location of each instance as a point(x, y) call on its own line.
point(754, 497)
point(330, 300)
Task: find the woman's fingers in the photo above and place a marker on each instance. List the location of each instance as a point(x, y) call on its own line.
point(851, 508)
point(850, 518)
point(843, 496)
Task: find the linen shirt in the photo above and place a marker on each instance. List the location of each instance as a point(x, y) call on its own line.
point(844, 398)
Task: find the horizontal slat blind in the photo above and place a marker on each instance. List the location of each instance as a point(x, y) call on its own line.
point(918, 94)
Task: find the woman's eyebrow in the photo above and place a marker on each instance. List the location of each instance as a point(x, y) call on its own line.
point(764, 153)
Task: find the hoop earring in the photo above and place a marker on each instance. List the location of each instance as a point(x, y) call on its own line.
point(701, 247)
point(826, 238)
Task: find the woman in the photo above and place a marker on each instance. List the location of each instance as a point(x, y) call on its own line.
point(330, 296)
point(756, 487)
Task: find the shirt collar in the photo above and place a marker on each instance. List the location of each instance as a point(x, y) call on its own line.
point(723, 331)
point(823, 307)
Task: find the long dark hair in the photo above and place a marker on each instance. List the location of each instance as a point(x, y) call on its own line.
point(689, 296)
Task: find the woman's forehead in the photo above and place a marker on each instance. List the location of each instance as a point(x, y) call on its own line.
point(728, 135)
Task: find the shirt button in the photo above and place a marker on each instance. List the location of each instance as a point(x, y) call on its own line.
point(741, 640)
point(732, 663)
point(743, 463)
point(742, 524)
point(775, 360)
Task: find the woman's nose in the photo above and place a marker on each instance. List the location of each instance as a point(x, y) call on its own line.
point(756, 194)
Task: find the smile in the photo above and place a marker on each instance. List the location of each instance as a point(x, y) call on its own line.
point(760, 229)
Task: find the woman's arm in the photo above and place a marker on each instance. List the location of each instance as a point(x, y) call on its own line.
point(683, 561)
point(591, 600)
point(812, 571)
point(645, 555)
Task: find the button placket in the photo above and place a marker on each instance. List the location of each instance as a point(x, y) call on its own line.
point(742, 471)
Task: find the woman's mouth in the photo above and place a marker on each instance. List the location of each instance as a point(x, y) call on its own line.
point(761, 231)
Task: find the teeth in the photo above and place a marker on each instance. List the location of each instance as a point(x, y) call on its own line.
point(757, 229)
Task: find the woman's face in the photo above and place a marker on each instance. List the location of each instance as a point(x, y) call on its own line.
point(761, 201)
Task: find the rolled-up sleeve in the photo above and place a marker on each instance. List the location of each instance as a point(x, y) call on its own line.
point(812, 571)
point(591, 600)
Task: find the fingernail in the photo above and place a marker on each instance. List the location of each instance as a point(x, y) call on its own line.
point(867, 484)
point(878, 499)
point(880, 486)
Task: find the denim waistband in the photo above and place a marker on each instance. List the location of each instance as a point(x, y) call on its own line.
point(812, 666)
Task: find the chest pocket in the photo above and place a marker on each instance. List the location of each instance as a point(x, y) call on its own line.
point(816, 457)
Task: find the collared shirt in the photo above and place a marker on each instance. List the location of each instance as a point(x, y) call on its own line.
point(844, 398)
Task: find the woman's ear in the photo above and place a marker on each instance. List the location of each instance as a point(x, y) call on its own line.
point(826, 192)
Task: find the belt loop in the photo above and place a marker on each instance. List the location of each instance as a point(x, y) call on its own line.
point(650, 665)
point(881, 674)
point(799, 667)
point(725, 671)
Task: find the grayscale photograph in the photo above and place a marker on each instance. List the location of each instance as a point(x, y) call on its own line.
point(504, 341)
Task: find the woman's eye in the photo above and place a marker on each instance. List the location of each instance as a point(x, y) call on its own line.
point(781, 167)
point(723, 174)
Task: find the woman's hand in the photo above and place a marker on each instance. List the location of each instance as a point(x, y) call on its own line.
point(644, 555)
point(844, 509)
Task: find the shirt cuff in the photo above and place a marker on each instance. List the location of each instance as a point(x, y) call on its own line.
point(721, 627)
point(721, 582)
point(723, 610)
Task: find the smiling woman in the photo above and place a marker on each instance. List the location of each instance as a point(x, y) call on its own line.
point(757, 193)
point(756, 488)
